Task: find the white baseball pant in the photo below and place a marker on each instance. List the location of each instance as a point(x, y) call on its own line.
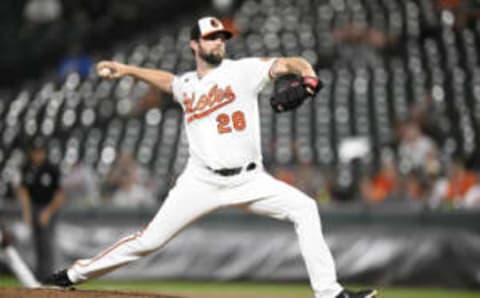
point(199, 191)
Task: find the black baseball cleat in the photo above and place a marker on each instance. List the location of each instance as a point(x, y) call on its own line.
point(59, 279)
point(357, 294)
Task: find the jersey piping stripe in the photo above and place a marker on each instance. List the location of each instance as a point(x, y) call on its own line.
point(108, 250)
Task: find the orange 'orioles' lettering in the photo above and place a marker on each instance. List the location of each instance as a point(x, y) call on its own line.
point(215, 99)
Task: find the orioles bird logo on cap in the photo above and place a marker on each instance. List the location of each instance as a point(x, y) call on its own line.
point(214, 23)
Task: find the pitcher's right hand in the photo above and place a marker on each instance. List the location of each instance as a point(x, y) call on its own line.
point(112, 69)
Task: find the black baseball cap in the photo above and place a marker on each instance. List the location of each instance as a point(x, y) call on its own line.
point(206, 26)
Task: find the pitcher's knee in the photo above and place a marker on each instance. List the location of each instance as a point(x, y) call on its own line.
point(304, 208)
point(310, 205)
point(145, 246)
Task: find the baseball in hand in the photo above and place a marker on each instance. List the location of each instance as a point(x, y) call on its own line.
point(105, 72)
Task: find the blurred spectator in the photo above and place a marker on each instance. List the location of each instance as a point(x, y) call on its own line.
point(339, 185)
point(418, 186)
point(80, 186)
point(460, 188)
point(416, 150)
point(472, 197)
point(129, 189)
point(437, 196)
point(460, 181)
point(309, 179)
point(306, 176)
point(285, 174)
point(41, 197)
point(382, 185)
point(429, 114)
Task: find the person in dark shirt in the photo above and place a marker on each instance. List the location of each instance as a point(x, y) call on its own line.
point(41, 197)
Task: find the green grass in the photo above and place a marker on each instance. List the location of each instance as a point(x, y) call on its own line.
point(300, 290)
point(190, 288)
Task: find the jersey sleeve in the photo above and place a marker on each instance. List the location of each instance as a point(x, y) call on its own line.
point(177, 88)
point(257, 71)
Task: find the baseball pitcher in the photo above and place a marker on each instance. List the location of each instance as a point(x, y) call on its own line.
point(221, 119)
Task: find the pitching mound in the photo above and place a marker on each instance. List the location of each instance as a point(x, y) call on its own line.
point(52, 293)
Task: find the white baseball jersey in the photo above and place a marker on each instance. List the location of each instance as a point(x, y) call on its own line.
point(221, 112)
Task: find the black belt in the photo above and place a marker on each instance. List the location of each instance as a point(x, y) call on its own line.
point(233, 171)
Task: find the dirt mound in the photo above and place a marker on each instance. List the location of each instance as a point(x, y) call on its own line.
point(53, 293)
